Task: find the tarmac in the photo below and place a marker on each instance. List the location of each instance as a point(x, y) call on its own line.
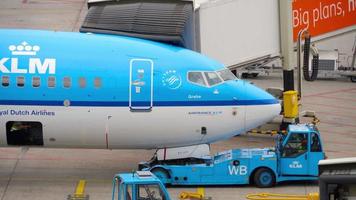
point(38, 173)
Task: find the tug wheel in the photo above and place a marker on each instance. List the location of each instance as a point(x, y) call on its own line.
point(264, 178)
point(162, 174)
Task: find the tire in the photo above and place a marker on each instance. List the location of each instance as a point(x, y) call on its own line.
point(162, 174)
point(353, 79)
point(264, 178)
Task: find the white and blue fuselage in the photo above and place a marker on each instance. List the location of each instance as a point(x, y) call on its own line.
point(107, 91)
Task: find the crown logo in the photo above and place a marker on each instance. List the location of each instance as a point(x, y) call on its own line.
point(24, 49)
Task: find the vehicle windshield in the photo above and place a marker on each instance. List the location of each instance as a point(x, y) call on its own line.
point(296, 145)
point(227, 75)
point(150, 192)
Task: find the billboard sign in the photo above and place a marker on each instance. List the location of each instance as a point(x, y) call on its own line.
point(322, 16)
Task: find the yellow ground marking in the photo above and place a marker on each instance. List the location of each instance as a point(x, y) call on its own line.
point(79, 191)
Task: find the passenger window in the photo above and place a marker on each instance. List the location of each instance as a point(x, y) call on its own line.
point(97, 82)
point(296, 145)
point(212, 78)
point(67, 82)
point(315, 143)
point(51, 82)
point(20, 81)
point(36, 81)
point(226, 75)
point(197, 78)
point(82, 82)
point(5, 81)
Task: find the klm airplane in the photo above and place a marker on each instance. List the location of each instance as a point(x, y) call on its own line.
point(84, 90)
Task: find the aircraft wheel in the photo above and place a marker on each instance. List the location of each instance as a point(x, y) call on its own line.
point(353, 79)
point(162, 174)
point(264, 178)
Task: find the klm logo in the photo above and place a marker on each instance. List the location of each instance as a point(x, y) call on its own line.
point(295, 165)
point(35, 65)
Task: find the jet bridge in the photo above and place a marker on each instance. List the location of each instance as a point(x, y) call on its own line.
point(169, 21)
point(229, 31)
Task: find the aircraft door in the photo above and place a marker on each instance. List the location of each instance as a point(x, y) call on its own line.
point(141, 85)
point(25, 133)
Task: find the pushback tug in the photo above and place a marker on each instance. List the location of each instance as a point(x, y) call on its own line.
point(295, 157)
point(140, 185)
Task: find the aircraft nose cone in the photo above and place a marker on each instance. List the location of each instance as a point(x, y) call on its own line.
point(261, 107)
point(258, 95)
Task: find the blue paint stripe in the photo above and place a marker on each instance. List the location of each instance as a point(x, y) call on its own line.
point(216, 103)
point(126, 104)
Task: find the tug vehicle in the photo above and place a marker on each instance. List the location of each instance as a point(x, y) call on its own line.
point(140, 185)
point(295, 157)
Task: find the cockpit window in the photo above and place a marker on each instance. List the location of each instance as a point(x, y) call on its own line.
point(226, 75)
point(212, 78)
point(197, 78)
